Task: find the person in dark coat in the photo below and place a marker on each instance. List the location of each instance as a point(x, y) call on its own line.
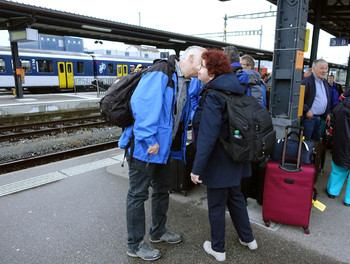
point(213, 166)
point(341, 151)
point(316, 101)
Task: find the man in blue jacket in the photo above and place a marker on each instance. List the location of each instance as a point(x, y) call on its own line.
point(335, 85)
point(316, 101)
point(161, 110)
point(256, 88)
point(334, 91)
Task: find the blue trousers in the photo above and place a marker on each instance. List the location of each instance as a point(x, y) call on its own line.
point(313, 128)
point(233, 198)
point(336, 181)
point(142, 175)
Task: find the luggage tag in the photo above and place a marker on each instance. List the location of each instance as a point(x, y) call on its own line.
point(306, 146)
point(320, 206)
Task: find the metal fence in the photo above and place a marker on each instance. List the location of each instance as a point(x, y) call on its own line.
point(99, 85)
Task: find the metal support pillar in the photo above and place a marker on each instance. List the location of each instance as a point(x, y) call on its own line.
point(177, 52)
point(288, 62)
point(17, 65)
point(316, 32)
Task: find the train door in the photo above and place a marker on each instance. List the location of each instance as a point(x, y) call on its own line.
point(122, 69)
point(65, 75)
point(125, 70)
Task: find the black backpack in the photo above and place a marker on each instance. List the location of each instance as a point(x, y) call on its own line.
point(115, 105)
point(254, 123)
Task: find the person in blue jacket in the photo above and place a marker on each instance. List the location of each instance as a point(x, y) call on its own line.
point(213, 166)
point(333, 92)
point(161, 110)
point(335, 85)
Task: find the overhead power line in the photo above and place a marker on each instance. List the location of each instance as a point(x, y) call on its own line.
point(231, 33)
point(254, 15)
point(248, 16)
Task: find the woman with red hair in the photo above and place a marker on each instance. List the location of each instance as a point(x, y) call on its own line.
point(213, 166)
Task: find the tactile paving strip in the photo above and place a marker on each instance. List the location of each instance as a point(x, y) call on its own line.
point(57, 175)
point(31, 183)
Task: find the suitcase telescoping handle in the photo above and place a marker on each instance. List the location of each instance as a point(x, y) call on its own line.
point(291, 167)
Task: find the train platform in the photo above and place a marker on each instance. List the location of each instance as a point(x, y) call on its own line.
point(40, 103)
point(73, 211)
point(34, 108)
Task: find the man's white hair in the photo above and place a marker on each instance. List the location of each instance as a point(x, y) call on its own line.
point(191, 50)
point(317, 62)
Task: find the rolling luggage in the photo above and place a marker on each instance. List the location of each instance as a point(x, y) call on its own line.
point(180, 172)
point(289, 189)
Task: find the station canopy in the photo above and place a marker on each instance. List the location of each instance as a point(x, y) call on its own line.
point(15, 16)
point(335, 19)
point(335, 16)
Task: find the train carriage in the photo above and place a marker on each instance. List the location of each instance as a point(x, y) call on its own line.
point(48, 70)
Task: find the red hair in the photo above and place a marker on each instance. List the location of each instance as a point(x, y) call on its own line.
point(216, 62)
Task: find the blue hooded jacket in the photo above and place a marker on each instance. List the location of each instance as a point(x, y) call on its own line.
point(214, 166)
point(153, 104)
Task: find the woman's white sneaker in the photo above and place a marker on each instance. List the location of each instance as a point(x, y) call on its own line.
point(219, 256)
point(252, 245)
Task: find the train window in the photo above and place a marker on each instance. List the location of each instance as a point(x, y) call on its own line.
point(80, 67)
point(132, 68)
point(45, 66)
point(119, 70)
point(2, 65)
point(25, 64)
point(69, 68)
point(61, 65)
point(110, 68)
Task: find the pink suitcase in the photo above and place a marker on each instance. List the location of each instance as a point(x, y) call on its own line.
point(289, 189)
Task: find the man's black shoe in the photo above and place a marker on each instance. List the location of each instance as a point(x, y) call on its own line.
point(329, 195)
point(346, 204)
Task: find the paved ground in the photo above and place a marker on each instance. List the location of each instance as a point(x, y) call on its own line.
point(80, 218)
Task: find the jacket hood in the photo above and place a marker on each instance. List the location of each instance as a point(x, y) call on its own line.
point(226, 82)
point(253, 72)
point(172, 59)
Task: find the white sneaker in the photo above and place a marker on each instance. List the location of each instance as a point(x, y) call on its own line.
point(217, 255)
point(252, 245)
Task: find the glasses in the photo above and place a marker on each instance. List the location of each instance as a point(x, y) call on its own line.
point(202, 66)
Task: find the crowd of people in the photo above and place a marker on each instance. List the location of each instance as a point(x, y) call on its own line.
point(162, 113)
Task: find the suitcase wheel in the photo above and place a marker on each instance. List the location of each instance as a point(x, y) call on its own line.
point(267, 223)
point(306, 230)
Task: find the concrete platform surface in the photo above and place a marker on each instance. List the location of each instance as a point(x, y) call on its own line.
point(73, 211)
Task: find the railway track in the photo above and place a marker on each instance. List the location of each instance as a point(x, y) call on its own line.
point(48, 158)
point(12, 134)
point(17, 132)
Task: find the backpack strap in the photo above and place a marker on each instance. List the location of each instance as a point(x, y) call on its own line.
point(130, 144)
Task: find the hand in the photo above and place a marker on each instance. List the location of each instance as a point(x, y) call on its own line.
point(328, 120)
point(153, 149)
point(195, 178)
point(309, 114)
